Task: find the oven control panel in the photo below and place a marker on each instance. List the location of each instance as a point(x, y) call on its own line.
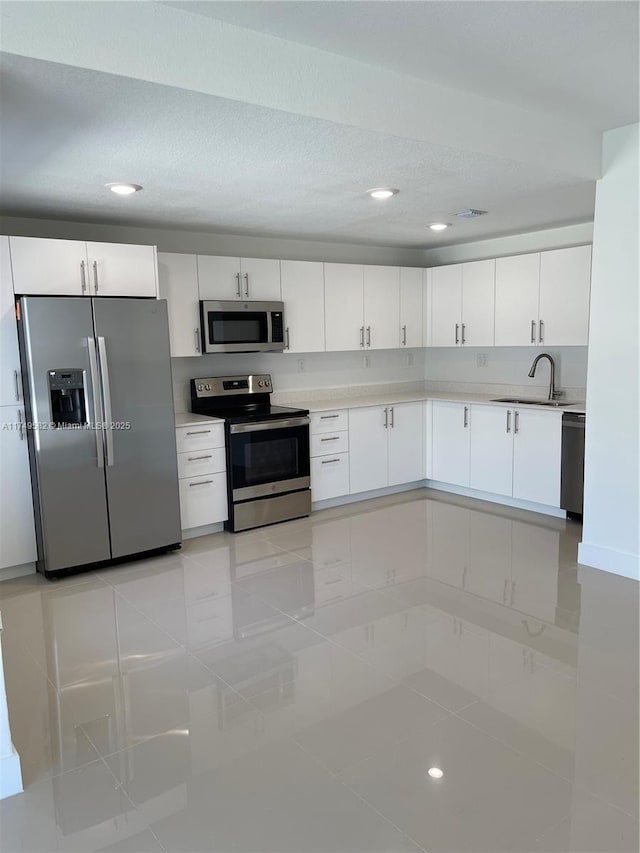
point(222, 386)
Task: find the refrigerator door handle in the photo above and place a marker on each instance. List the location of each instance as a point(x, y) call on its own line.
point(106, 400)
point(95, 385)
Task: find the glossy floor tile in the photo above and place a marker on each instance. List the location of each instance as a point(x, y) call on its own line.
point(289, 689)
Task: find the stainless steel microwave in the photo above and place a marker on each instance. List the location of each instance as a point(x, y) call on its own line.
point(242, 326)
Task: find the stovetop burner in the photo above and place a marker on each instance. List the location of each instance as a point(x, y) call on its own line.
point(239, 399)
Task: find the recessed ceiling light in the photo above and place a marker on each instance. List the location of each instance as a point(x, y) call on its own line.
point(439, 226)
point(435, 772)
point(382, 192)
point(124, 189)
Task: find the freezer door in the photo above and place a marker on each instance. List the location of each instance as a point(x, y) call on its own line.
point(66, 461)
point(141, 462)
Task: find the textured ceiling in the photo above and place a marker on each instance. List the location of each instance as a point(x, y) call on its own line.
point(215, 164)
point(578, 58)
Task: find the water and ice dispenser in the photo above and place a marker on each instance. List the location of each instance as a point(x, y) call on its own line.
point(67, 398)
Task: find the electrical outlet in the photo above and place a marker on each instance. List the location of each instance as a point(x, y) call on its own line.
point(481, 359)
point(301, 365)
point(367, 361)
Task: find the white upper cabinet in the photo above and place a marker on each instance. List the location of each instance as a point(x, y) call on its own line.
point(411, 313)
point(178, 283)
point(446, 305)
point(478, 303)
point(427, 288)
point(368, 454)
point(10, 382)
point(381, 307)
point(537, 453)
point(565, 284)
point(517, 289)
point(75, 268)
point(491, 455)
point(49, 267)
point(406, 443)
point(451, 442)
point(303, 297)
point(223, 278)
point(119, 269)
point(344, 306)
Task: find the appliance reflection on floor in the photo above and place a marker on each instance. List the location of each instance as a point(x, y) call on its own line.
point(292, 687)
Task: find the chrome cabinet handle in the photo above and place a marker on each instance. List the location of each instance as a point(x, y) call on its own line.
point(238, 289)
point(457, 333)
point(464, 340)
point(201, 483)
point(392, 418)
point(95, 385)
point(516, 422)
point(404, 336)
point(288, 344)
point(533, 331)
point(20, 425)
point(83, 277)
point(200, 432)
point(198, 458)
point(95, 275)
point(386, 418)
point(508, 420)
point(17, 384)
point(333, 438)
point(246, 284)
point(106, 399)
point(361, 336)
point(368, 336)
point(196, 335)
point(541, 331)
point(465, 420)
point(328, 417)
point(329, 461)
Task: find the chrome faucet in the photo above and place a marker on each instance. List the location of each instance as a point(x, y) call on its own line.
point(553, 393)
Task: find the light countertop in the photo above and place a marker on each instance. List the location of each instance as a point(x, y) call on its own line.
point(190, 419)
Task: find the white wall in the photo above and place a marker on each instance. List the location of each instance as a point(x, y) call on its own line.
point(206, 243)
point(611, 529)
point(320, 369)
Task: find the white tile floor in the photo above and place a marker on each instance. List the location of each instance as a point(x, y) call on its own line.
point(288, 689)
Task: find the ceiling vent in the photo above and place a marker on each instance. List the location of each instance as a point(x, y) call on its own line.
point(470, 213)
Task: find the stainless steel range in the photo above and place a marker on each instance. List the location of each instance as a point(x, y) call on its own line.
point(268, 468)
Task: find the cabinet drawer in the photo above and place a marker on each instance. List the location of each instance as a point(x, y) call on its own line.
point(203, 500)
point(329, 443)
point(199, 437)
point(329, 476)
point(199, 462)
point(335, 421)
point(210, 622)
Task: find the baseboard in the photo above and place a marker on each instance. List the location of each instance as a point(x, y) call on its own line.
point(10, 572)
point(10, 775)
point(365, 496)
point(554, 511)
point(609, 560)
point(205, 530)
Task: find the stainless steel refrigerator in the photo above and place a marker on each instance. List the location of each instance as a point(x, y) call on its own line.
point(98, 396)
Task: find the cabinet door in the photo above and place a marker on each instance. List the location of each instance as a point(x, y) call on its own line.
point(219, 277)
point(260, 279)
point(537, 445)
point(343, 306)
point(303, 297)
point(178, 284)
point(491, 466)
point(478, 303)
point(17, 534)
point(49, 267)
point(450, 442)
point(381, 307)
point(411, 314)
point(406, 443)
point(10, 381)
point(368, 453)
point(565, 283)
point(329, 476)
point(117, 269)
point(517, 289)
point(203, 500)
point(446, 305)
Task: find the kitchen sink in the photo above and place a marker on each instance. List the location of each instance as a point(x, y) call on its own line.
point(520, 402)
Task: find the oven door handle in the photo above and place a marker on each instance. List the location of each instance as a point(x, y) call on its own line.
point(265, 425)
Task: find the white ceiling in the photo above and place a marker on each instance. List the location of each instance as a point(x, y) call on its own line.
point(576, 58)
point(213, 155)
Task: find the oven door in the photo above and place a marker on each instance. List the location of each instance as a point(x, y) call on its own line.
point(268, 458)
point(238, 327)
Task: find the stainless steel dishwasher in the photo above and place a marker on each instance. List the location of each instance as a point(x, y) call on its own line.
point(572, 481)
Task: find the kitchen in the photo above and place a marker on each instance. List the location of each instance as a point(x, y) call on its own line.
point(412, 351)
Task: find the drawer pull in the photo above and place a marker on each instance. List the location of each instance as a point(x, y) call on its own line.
point(201, 483)
point(198, 458)
point(333, 438)
point(329, 461)
point(200, 432)
point(328, 417)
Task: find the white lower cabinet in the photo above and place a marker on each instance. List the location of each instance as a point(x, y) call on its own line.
point(202, 474)
point(406, 443)
point(329, 476)
point(537, 456)
point(491, 465)
point(451, 442)
point(329, 450)
point(17, 528)
point(203, 500)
